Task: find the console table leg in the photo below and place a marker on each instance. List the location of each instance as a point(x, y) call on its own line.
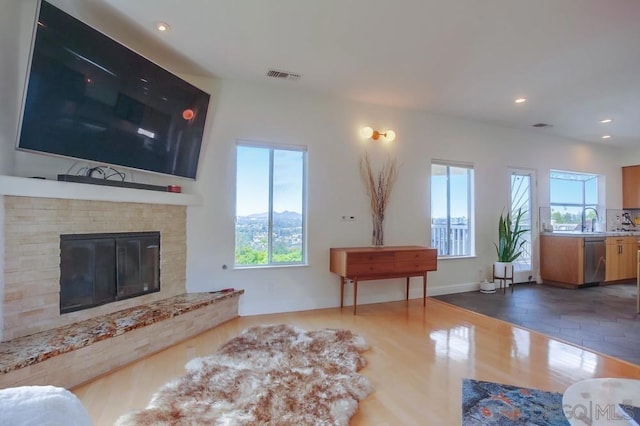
point(342, 282)
point(424, 289)
point(407, 288)
point(355, 294)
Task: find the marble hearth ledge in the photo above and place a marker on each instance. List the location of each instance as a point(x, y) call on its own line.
point(44, 188)
point(29, 350)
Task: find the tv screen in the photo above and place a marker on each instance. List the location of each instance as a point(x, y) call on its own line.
point(91, 98)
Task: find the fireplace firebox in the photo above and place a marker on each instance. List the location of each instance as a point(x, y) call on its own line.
point(102, 268)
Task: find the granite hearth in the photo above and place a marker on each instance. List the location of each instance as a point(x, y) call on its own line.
point(75, 353)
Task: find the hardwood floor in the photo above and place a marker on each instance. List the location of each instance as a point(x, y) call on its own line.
point(417, 361)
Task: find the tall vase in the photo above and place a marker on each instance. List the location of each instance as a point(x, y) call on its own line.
point(377, 237)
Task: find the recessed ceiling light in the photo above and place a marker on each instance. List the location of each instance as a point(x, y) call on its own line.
point(162, 26)
point(520, 100)
point(606, 120)
point(606, 137)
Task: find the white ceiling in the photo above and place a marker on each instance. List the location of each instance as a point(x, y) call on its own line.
point(576, 61)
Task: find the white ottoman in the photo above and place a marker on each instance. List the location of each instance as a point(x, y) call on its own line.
point(41, 406)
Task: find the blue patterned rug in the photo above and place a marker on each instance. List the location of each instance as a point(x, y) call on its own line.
point(487, 403)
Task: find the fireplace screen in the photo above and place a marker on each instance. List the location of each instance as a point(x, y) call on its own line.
point(101, 268)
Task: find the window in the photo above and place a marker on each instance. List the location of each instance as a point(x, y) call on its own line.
point(270, 205)
point(451, 208)
point(573, 195)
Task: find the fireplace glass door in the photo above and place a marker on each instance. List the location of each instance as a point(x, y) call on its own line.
point(138, 265)
point(101, 268)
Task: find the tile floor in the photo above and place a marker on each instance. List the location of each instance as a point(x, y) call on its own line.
point(600, 318)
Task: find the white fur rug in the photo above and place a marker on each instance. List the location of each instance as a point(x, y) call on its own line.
point(268, 375)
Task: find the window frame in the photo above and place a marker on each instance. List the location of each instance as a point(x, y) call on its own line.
point(271, 147)
point(470, 241)
point(584, 204)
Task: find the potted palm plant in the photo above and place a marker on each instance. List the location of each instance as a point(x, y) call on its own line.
point(511, 241)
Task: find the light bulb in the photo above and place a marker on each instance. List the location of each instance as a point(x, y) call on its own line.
point(390, 135)
point(366, 132)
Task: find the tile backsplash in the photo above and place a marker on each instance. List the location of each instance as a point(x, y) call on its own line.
point(616, 220)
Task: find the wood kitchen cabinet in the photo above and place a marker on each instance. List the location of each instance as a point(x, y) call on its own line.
point(562, 260)
point(631, 187)
point(621, 258)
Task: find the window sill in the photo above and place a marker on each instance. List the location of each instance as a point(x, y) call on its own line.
point(243, 267)
point(456, 257)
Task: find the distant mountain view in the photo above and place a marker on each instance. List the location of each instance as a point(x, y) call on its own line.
point(252, 241)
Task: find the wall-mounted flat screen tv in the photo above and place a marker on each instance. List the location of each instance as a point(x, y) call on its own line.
point(91, 98)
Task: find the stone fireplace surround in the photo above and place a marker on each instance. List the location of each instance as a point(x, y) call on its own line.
point(33, 214)
point(32, 255)
point(37, 211)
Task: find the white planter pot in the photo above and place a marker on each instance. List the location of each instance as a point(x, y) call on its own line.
point(503, 269)
point(487, 287)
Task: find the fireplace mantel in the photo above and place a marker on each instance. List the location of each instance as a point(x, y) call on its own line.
point(42, 188)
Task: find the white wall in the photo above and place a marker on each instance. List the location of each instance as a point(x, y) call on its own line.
point(329, 127)
point(16, 24)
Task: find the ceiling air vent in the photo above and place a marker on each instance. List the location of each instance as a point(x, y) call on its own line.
point(283, 75)
point(542, 125)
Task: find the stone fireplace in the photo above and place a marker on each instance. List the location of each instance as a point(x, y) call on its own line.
point(32, 230)
point(41, 346)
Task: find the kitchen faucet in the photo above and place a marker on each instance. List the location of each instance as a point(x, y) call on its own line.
point(593, 221)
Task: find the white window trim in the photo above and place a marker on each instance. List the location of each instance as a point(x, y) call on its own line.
point(277, 146)
point(471, 203)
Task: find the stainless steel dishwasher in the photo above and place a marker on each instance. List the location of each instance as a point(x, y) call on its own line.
point(594, 260)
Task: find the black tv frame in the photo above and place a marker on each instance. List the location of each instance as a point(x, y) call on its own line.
point(118, 134)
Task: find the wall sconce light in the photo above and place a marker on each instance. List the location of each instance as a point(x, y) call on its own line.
point(368, 132)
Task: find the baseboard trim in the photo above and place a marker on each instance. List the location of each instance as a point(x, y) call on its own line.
point(453, 288)
point(247, 308)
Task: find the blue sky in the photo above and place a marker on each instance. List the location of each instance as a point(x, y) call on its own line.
point(252, 185)
point(459, 193)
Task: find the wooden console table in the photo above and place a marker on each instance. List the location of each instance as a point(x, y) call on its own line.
point(376, 263)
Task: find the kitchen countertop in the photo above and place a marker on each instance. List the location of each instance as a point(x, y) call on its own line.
point(592, 234)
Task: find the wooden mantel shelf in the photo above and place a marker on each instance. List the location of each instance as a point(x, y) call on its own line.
point(44, 188)
point(375, 263)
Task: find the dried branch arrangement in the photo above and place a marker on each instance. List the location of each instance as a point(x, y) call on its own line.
point(379, 190)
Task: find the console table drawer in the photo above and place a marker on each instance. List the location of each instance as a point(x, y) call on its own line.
point(358, 258)
point(370, 268)
point(416, 255)
point(412, 266)
point(421, 260)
